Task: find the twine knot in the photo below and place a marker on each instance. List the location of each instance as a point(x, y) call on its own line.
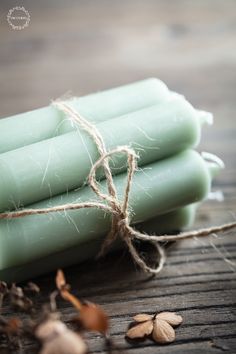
point(120, 224)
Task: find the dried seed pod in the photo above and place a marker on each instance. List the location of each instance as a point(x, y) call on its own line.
point(56, 338)
point(16, 291)
point(3, 287)
point(32, 288)
point(13, 326)
point(140, 330)
point(11, 329)
point(142, 317)
point(3, 292)
point(163, 332)
point(19, 300)
point(171, 317)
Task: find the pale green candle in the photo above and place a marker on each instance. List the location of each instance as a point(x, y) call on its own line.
point(158, 189)
point(56, 165)
point(173, 221)
point(44, 123)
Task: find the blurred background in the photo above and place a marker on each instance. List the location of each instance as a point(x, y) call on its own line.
point(81, 46)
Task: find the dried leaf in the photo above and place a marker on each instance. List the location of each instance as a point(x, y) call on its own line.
point(72, 299)
point(63, 287)
point(163, 332)
point(60, 280)
point(171, 317)
point(140, 330)
point(142, 317)
point(93, 318)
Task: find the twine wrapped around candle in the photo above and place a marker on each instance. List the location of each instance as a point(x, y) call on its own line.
point(120, 226)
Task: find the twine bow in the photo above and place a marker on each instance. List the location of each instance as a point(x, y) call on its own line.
point(120, 225)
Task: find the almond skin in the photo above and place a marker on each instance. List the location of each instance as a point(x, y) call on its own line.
point(140, 330)
point(142, 317)
point(171, 317)
point(163, 332)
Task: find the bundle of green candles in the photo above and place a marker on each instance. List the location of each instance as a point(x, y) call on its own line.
point(45, 159)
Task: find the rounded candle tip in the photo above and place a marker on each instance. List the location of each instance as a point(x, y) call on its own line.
point(214, 163)
point(205, 117)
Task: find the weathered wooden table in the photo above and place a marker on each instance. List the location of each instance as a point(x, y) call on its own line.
point(84, 46)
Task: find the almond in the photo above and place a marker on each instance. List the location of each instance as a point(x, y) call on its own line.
point(163, 332)
point(142, 317)
point(140, 330)
point(171, 317)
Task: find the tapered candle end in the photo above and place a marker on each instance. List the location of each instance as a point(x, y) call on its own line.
point(214, 163)
point(205, 117)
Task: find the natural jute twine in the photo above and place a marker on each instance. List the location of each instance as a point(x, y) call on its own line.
point(110, 202)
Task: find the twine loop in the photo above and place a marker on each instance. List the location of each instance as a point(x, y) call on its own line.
point(120, 225)
point(110, 202)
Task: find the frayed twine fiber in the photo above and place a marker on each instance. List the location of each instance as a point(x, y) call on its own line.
point(120, 226)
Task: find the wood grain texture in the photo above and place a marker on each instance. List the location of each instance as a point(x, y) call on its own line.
point(84, 46)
